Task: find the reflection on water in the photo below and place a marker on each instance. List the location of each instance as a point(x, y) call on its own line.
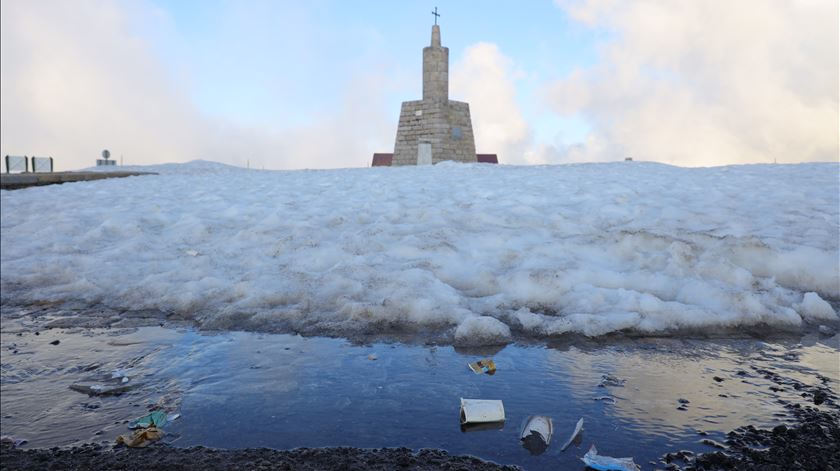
point(239, 390)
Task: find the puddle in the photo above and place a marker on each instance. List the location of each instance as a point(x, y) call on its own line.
point(238, 390)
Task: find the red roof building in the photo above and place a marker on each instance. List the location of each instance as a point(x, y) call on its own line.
point(382, 160)
point(385, 160)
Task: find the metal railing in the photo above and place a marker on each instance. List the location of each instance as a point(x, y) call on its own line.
point(17, 164)
point(20, 164)
point(42, 164)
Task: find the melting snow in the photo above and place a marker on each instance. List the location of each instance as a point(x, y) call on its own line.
point(590, 248)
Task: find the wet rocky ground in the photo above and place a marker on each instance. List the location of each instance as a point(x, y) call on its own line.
point(166, 457)
point(811, 443)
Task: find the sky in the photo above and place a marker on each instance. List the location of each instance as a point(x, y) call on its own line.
point(318, 84)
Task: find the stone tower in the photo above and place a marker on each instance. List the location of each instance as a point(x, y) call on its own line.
point(435, 128)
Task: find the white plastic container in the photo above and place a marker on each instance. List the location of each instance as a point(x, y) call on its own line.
point(477, 411)
point(539, 424)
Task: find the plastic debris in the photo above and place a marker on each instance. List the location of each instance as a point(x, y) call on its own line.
point(96, 389)
point(536, 434)
point(474, 411)
point(141, 438)
point(608, 463)
point(157, 418)
point(610, 380)
point(485, 366)
point(191, 252)
point(8, 440)
point(575, 435)
point(372, 357)
point(173, 417)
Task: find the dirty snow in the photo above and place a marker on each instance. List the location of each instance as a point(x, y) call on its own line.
point(589, 249)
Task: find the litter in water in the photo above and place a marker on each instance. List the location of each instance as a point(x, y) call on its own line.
point(609, 399)
point(372, 357)
point(475, 411)
point(486, 366)
point(536, 434)
point(157, 418)
point(575, 435)
point(141, 438)
point(608, 463)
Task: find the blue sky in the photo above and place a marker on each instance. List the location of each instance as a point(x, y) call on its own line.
point(318, 84)
point(238, 53)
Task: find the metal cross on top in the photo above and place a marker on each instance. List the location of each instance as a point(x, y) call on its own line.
point(436, 14)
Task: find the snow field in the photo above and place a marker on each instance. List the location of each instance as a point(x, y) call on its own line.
point(474, 252)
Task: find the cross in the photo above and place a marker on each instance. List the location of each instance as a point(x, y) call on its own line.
point(436, 14)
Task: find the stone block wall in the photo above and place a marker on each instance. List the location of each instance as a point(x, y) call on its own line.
point(445, 124)
point(436, 73)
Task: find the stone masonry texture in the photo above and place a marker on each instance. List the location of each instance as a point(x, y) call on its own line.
point(435, 119)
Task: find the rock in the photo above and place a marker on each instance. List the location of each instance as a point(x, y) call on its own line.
point(820, 397)
point(826, 330)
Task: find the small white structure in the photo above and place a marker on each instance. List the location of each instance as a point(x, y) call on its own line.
point(106, 154)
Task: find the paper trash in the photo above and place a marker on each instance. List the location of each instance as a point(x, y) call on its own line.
point(536, 434)
point(608, 463)
point(141, 437)
point(474, 411)
point(575, 435)
point(483, 366)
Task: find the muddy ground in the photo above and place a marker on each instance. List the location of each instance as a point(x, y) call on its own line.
point(166, 457)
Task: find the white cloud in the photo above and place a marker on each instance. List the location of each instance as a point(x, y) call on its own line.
point(707, 83)
point(74, 82)
point(484, 78)
point(75, 79)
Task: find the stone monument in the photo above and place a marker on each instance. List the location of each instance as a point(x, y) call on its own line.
point(435, 128)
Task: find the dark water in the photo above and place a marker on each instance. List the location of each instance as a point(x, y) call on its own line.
point(237, 390)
